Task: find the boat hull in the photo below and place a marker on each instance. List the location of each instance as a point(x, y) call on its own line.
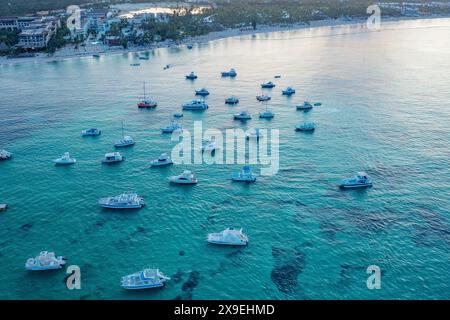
point(222, 243)
point(143, 287)
point(107, 206)
point(355, 186)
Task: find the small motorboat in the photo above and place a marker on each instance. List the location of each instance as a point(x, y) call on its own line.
point(167, 66)
point(246, 175)
point(202, 92)
point(3, 206)
point(93, 132)
point(305, 106)
point(288, 91)
point(243, 115)
point(144, 58)
point(266, 114)
point(64, 160)
point(45, 261)
point(277, 76)
point(317, 104)
point(123, 201)
point(113, 157)
point(145, 279)
point(5, 155)
point(306, 126)
point(232, 73)
point(171, 127)
point(232, 100)
point(268, 85)
point(361, 180)
point(178, 115)
point(189, 46)
point(187, 177)
point(163, 160)
point(96, 55)
point(254, 134)
point(195, 105)
point(229, 236)
point(135, 64)
point(191, 76)
point(126, 141)
point(263, 97)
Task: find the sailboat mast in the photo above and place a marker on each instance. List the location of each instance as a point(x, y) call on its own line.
point(123, 136)
point(144, 92)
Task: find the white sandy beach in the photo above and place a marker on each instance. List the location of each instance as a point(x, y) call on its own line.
point(70, 52)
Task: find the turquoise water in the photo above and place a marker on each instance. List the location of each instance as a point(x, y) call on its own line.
point(385, 110)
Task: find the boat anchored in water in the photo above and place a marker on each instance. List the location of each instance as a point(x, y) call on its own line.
point(202, 92)
point(147, 103)
point(163, 160)
point(191, 76)
point(288, 91)
point(243, 115)
point(126, 141)
point(187, 177)
point(361, 180)
point(64, 160)
point(306, 126)
point(178, 115)
point(305, 106)
point(268, 85)
point(5, 155)
point(263, 97)
point(232, 100)
point(123, 201)
point(232, 73)
point(145, 279)
point(195, 105)
point(266, 114)
point(45, 261)
point(91, 132)
point(171, 127)
point(229, 237)
point(246, 175)
point(113, 157)
point(209, 146)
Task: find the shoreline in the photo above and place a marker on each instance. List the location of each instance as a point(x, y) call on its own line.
point(68, 52)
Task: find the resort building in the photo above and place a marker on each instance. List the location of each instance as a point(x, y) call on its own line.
point(34, 38)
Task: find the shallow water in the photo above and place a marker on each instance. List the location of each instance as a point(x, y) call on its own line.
point(385, 110)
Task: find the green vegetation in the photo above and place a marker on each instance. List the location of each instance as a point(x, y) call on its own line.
point(57, 40)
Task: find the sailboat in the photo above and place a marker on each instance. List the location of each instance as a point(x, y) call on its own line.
point(126, 141)
point(147, 103)
point(266, 114)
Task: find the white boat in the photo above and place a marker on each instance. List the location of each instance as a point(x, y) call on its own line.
point(145, 279)
point(147, 103)
point(232, 100)
point(65, 160)
point(187, 177)
point(171, 127)
point(45, 261)
point(126, 141)
point(4, 155)
point(305, 106)
point(113, 157)
point(123, 201)
point(306, 126)
point(232, 73)
point(243, 115)
point(246, 175)
point(254, 134)
point(202, 92)
point(191, 76)
point(361, 180)
point(163, 160)
point(3, 206)
point(195, 105)
point(91, 132)
point(229, 236)
point(288, 91)
point(268, 85)
point(263, 98)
